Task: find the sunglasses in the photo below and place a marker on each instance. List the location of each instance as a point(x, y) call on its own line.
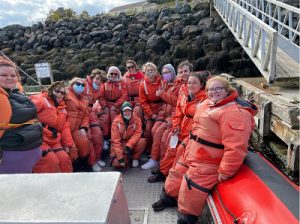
point(116, 74)
point(129, 67)
point(217, 89)
point(80, 84)
point(58, 91)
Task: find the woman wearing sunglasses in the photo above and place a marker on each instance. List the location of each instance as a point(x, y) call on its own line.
point(78, 115)
point(92, 90)
point(57, 139)
point(217, 146)
point(133, 78)
point(111, 98)
point(20, 133)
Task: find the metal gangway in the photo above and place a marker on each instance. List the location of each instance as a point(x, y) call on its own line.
point(268, 30)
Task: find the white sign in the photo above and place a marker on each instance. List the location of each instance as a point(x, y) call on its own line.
point(42, 70)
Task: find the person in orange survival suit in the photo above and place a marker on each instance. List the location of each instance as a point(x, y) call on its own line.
point(57, 138)
point(78, 115)
point(133, 77)
point(184, 69)
point(149, 101)
point(126, 141)
point(113, 94)
point(182, 121)
point(216, 148)
point(169, 96)
point(93, 84)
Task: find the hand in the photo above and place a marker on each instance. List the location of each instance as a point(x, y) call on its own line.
point(154, 116)
point(128, 152)
point(113, 108)
point(122, 162)
point(73, 153)
point(176, 131)
point(106, 110)
point(67, 149)
point(158, 92)
point(222, 177)
point(82, 132)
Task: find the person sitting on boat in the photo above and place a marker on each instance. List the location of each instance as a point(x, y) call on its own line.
point(93, 84)
point(111, 98)
point(168, 94)
point(182, 122)
point(216, 148)
point(78, 116)
point(150, 102)
point(133, 77)
point(126, 141)
point(57, 138)
point(20, 132)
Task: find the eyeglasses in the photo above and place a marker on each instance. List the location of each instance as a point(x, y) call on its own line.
point(115, 74)
point(80, 84)
point(129, 67)
point(58, 91)
point(217, 89)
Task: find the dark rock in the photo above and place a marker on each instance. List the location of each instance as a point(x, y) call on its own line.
point(157, 43)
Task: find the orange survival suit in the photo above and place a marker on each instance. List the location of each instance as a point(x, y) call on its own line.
point(126, 135)
point(56, 135)
point(218, 143)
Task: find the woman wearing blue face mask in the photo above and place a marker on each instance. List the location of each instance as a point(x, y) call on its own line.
point(92, 90)
point(78, 115)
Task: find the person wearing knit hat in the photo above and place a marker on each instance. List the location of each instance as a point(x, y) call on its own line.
point(168, 73)
point(113, 94)
point(126, 141)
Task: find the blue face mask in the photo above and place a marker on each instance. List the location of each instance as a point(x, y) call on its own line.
point(95, 86)
point(78, 89)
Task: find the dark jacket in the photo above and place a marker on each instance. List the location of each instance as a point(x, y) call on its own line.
point(27, 136)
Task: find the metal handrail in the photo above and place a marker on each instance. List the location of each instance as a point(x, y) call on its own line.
point(276, 13)
point(257, 38)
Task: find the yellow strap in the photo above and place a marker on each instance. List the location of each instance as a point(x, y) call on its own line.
point(4, 126)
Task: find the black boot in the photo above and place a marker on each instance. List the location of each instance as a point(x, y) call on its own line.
point(187, 219)
point(156, 177)
point(76, 165)
point(164, 202)
point(84, 165)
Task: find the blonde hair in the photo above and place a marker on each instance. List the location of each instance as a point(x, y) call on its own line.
point(151, 65)
point(225, 83)
point(75, 79)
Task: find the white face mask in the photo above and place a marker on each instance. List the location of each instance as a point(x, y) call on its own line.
point(127, 117)
point(150, 74)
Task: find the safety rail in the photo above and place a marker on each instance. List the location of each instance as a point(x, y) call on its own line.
point(257, 38)
point(280, 16)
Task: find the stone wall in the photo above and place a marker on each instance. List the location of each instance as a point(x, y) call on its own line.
point(75, 47)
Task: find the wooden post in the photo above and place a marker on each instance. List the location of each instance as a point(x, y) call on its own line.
point(293, 157)
point(265, 119)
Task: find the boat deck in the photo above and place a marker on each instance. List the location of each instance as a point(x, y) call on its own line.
point(140, 195)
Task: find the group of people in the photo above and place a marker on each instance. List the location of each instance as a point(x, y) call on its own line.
point(192, 125)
